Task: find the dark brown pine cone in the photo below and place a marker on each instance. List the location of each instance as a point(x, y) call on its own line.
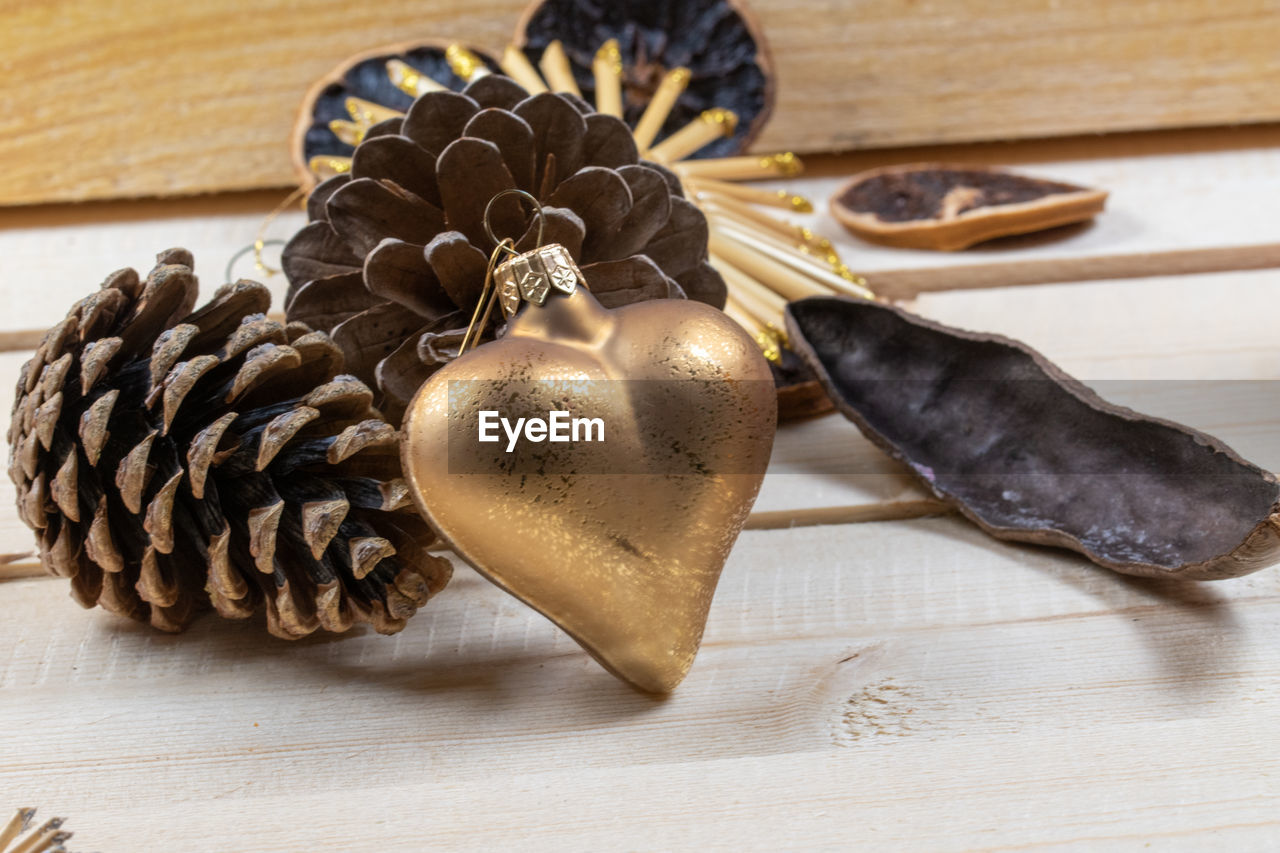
point(394, 258)
point(169, 461)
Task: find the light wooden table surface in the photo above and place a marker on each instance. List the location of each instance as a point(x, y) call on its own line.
point(871, 678)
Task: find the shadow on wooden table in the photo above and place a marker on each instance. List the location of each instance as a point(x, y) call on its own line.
point(1160, 610)
point(469, 646)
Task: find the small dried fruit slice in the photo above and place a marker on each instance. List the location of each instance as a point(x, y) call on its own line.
point(800, 394)
point(949, 206)
point(1030, 454)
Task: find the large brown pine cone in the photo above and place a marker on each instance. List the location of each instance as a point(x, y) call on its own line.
point(394, 258)
point(170, 461)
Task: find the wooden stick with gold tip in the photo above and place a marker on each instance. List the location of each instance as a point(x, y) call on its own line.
point(741, 314)
point(518, 67)
point(754, 195)
point(821, 272)
point(709, 126)
point(325, 166)
point(364, 115)
point(673, 84)
point(367, 113)
point(555, 68)
point(410, 80)
point(744, 168)
point(607, 68)
point(719, 204)
point(765, 335)
point(464, 63)
point(762, 302)
point(348, 132)
point(721, 208)
point(15, 827)
point(796, 251)
point(784, 281)
point(767, 331)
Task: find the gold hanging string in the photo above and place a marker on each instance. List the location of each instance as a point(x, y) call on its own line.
point(507, 245)
point(537, 212)
point(488, 294)
point(260, 242)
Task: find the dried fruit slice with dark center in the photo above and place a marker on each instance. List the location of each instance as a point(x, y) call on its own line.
point(716, 40)
point(1030, 454)
point(365, 77)
point(949, 207)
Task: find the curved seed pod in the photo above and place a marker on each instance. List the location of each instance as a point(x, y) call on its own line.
point(1030, 454)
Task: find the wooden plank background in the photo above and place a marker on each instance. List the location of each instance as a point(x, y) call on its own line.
point(899, 685)
point(1185, 201)
point(1203, 194)
point(895, 683)
point(888, 685)
point(165, 97)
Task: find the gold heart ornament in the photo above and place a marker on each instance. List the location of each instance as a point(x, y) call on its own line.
point(618, 529)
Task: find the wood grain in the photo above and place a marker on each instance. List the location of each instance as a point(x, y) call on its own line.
point(1181, 202)
point(1170, 346)
point(1192, 327)
point(162, 97)
point(902, 684)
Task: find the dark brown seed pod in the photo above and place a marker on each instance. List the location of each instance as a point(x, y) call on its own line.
point(1030, 454)
point(394, 257)
point(949, 206)
point(716, 40)
point(172, 460)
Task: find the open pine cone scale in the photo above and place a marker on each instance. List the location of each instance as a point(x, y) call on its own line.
point(394, 259)
point(171, 461)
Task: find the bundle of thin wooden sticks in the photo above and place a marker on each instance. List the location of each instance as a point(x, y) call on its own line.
point(22, 835)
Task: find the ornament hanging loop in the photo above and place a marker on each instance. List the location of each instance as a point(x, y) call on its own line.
point(261, 242)
point(484, 305)
point(537, 212)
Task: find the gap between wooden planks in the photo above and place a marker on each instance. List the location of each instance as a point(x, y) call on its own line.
point(164, 97)
point(1181, 202)
point(1175, 195)
point(1172, 346)
point(911, 683)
